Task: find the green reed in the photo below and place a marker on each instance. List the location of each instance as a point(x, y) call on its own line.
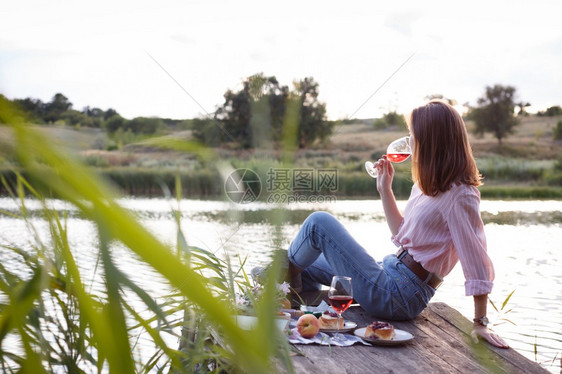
point(502, 311)
point(54, 321)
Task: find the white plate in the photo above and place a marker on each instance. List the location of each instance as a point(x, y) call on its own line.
point(347, 326)
point(400, 338)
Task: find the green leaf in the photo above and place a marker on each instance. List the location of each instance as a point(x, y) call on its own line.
point(22, 300)
point(493, 305)
point(507, 299)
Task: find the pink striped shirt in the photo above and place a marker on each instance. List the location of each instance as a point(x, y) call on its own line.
point(439, 231)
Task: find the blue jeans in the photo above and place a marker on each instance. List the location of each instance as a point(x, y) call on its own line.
point(388, 289)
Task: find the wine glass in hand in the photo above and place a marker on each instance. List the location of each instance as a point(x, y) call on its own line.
point(340, 295)
point(397, 151)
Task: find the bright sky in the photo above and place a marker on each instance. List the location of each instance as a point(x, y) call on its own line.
point(99, 53)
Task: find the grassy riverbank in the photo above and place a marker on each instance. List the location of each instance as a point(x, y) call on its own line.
point(528, 164)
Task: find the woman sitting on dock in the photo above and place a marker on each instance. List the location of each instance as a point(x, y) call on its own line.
point(441, 226)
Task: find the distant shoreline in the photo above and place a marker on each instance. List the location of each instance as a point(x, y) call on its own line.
point(208, 185)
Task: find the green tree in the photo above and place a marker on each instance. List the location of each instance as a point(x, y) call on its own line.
point(144, 125)
point(85, 118)
point(254, 116)
point(109, 113)
point(54, 109)
point(206, 130)
point(93, 112)
point(522, 105)
point(268, 100)
point(33, 108)
point(250, 117)
point(75, 118)
point(233, 117)
point(495, 112)
point(552, 111)
point(313, 124)
point(389, 119)
point(114, 123)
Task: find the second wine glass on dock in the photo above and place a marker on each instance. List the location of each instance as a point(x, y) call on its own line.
point(340, 295)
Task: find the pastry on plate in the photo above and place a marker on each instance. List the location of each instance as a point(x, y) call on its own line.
point(380, 330)
point(329, 320)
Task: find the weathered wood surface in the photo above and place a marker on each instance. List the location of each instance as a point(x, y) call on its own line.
point(441, 344)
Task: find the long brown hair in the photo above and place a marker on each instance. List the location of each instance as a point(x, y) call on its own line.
point(441, 151)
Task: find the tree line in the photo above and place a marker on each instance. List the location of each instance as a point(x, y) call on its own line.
point(59, 110)
point(498, 111)
point(266, 113)
point(262, 113)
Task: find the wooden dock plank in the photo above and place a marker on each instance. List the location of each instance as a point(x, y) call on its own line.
point(457, 326)
point(442, 344)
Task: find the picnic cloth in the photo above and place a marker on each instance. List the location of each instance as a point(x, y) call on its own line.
point(322, 338)
point(341, 340)
point(320, 308)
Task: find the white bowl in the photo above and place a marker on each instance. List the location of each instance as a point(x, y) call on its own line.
point(250, 322)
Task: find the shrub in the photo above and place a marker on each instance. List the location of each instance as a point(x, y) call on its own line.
point(552, 111)
point(499, 168)
point(513, 192)
point(377, 154)
point(558, 164)
point(557, 132)
point(389, 119)
point(553, 177)
point(96, 161)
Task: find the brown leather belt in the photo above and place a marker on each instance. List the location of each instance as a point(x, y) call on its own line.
point(431, 279)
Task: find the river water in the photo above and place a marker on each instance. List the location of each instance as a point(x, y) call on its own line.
point(524, 241)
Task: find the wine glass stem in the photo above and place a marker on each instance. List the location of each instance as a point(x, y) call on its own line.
point(339, 317)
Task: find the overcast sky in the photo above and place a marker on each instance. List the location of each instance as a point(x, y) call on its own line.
point(120, 55)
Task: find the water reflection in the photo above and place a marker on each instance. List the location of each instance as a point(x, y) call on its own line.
point(272, 215)
point(522, 218)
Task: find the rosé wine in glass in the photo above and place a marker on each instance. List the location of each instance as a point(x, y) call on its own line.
point(340, 295)
point(397, 151)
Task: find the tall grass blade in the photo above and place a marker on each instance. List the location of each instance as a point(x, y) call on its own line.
point(103, 319)
point(507, 299)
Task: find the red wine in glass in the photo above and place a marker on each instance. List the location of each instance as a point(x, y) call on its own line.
point(340, 303)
